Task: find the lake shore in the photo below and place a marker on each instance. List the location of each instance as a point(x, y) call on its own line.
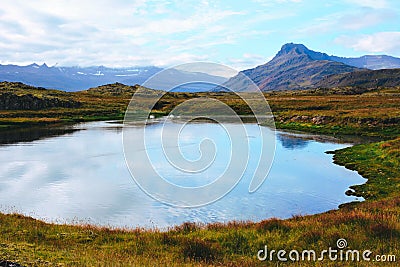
point(373, 224)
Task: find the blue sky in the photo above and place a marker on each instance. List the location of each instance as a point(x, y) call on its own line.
point(240, 34)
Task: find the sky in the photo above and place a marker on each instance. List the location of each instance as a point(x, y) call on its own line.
point(239, 34)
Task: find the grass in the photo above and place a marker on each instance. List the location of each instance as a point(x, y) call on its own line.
point(367, 113)
point(94, 104)
point(373, 224)
point(336, 112)
point(379, 163)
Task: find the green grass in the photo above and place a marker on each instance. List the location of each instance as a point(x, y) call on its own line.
point(371, 225)
point(338, 130)
point(379, 163)
point(347, 111)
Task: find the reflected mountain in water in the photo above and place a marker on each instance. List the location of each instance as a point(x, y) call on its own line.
point(292, 141)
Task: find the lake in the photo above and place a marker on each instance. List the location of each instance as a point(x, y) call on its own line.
point(81, 176)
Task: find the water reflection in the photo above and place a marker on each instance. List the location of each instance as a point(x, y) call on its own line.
point(82, 175)
point(33, 133)
point(292, 142)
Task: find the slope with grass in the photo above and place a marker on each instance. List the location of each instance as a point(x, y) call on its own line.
point(338, 111)
point(362, 79)
point(55, 107)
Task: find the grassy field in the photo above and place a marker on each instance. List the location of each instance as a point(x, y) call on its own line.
point(336, 112)
point(368, 113)
point(373, 224)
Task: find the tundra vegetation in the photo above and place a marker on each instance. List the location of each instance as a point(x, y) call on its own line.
point(373, 224)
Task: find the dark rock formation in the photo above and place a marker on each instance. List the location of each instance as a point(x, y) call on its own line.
point(10, 101)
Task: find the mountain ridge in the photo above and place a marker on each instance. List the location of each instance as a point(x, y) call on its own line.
point(73, 78)
point(373, 62)
point(362, 79)
point(83, 78)
point(293, 67)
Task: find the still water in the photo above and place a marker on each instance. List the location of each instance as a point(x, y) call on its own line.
point(81, 176)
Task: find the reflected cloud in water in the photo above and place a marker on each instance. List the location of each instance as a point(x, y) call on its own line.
point(82, 175)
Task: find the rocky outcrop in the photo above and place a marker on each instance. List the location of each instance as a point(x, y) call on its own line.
point(307, 119)
point(10, 101)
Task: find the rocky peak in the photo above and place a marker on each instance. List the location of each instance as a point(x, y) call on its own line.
point(292, 49)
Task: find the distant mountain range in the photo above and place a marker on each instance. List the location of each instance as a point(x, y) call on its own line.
point(370, 62)
point(79, 78)
point(294, 67)
point(73, 78)
point(297, 67)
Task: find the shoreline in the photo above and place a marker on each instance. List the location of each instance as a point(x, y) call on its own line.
point(372, 224)
point(33, 242)
point(307, 136)
point(69, 128)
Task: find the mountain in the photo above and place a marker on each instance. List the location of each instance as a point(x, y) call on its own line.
point(73, 78)
point(187, 81)
point(78, 78)
point(362, 79)
point(370, 61)
point(293, 67)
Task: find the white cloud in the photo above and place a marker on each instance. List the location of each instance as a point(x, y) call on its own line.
point(370, 3)
point(271, 2)
point(369, 18)
point(108, 32)
point(381, 42)
point(355, 20)
point(248, 61)
point(144, 32)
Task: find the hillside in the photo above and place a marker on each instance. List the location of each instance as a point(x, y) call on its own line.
point(340, 110)
point(24, 105)
point(115, 89)
point(293, 67)
point(362, 79)
point(18, 96)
